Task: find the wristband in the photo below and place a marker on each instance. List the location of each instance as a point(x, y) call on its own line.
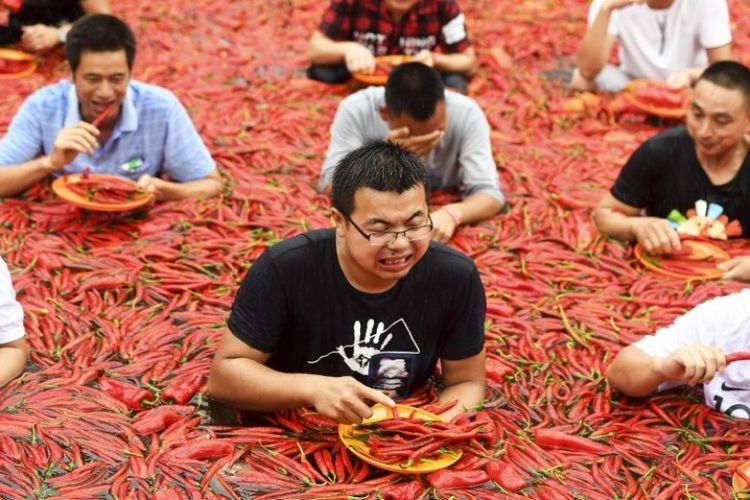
point(62, 35)
point(456, 218)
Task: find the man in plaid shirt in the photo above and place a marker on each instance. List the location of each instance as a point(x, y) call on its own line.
point(353, 32)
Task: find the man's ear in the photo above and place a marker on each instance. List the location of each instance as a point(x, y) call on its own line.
point(384, 113)
point(339, 221)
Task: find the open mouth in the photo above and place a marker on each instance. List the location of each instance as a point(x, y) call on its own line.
point(397, 263)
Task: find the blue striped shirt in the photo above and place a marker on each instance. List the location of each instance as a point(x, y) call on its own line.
point(153, 134)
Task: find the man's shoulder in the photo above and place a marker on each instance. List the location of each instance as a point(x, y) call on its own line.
point(671, 140)
point(365, 100)
point(458, 104)
point(151, 96)
point(448, 262)
point(302, 247)
point(52, 94)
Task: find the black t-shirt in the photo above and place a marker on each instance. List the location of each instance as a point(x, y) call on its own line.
point(296, 304)
point(664, 174)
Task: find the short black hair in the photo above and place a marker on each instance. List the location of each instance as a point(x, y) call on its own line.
point(99, 33)
point(415, 89)
point(729, 75)
point(378, 165)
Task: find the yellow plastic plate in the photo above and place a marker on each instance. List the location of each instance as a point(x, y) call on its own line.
point(356, 442)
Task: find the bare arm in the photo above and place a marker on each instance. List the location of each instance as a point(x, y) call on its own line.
point(685, 78)
point(323, 50)
point(166, 190)
point(17, 178)
point(13, 357)
point(475, 208)
point(79, 138)
point(42, 37)
point(239, 377)
point(459, 62)
point(596, 45)
point(637, 374)
point(465, 381)
point(621, 221)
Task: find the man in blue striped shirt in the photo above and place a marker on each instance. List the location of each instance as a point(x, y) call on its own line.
point(148, 136)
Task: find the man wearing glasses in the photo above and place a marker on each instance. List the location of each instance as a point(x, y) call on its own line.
point(338, 319)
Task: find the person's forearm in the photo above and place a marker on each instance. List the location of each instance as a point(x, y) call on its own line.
point(476, 207)
point(252, 386)
point(323, 50)
point(614, 224)
point(635, 373)
point(15, 179)
point(467, 394)
point(461, 62)
point(95, 6)
point(201, 188)
point(593, 52)
point(12, 360)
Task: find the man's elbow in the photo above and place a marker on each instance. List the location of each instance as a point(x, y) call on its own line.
point(588, 68)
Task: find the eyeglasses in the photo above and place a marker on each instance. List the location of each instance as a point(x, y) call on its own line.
point(380, 238)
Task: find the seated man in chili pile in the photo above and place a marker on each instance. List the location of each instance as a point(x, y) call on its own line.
point(13, 347)
point(341, 318)
point(700, 173)
point(670, 40)
point(696, 348)
point(354, 32)
point(446, 129)
point(142, 131)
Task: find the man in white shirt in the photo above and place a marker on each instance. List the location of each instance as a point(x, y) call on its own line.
point(13, 347)
point(693, 349)
point(666, 40)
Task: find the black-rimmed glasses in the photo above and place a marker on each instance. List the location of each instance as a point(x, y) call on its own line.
point(381, 238)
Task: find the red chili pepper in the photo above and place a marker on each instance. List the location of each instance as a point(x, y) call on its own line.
point(660, 97)
point(548, 438)
point(450, 479)
point(126, 393)
point(198, 450)
point(182, 389)
point(505, 475)
point(401, 491)
point(12, 5)
point(159, 418)
point(738, 356)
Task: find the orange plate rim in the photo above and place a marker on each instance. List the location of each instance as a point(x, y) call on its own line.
point(61, 190)
point(381, 79)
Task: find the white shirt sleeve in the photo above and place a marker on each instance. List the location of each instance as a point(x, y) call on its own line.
point(346, 136)
point(11, 313)
point(714, 30)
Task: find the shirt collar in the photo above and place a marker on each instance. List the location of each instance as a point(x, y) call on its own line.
point(128, 121)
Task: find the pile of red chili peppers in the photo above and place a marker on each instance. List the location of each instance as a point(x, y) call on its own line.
point(123, 312)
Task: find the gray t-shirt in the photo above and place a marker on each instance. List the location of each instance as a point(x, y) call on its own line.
point(463, 159)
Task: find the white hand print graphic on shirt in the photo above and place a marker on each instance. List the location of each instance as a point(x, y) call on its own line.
point(373, 341)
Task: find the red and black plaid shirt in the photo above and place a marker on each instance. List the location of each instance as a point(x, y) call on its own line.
point(430, 24)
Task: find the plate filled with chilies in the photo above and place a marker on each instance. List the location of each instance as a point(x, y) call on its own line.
point(100, 192)
point(696, 260)
point(383, 67)
point(16, 64)
point(403, 439)
point(657, 98)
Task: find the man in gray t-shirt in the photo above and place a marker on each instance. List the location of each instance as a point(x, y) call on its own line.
point(447, 130)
